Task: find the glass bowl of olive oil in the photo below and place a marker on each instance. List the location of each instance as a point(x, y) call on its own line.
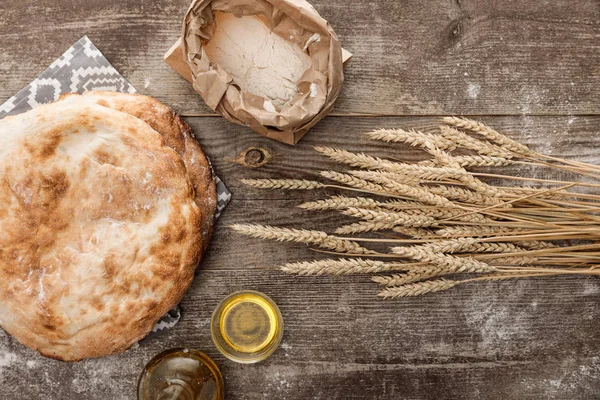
point(247, 326)
point(181, 374)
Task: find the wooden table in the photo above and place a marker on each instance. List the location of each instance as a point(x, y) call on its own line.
point(529, 68)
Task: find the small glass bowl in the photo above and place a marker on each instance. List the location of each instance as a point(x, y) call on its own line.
point(181, 374)
point(247, 326)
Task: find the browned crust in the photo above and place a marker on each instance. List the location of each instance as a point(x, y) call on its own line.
point(178, 135)
point(40, 223)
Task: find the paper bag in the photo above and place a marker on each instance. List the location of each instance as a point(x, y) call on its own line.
point(318, 88)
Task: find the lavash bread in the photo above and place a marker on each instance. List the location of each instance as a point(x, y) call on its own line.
point(178, 136)
point(100, 229)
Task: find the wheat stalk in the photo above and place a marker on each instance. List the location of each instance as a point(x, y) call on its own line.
point(482, 161)
point(459, 231)
point(352, 181)
point(343, 202)
point(411, 137)
point(375, 163)
point(461, 139)
point(489, 133)
point(417, 289)
point(376, 176)
point(469, 245)
point(464, 195)
point(364, 226)
point(479, 228)
point(410, 276)
point(318, 238)
point(302, 184)
point(341, 266)
point(451, 263)
point(398, 218)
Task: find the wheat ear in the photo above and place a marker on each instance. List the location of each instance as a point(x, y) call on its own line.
point(463, 140)
point(464, 195)
point(417, 289)
point(352, 181)
point(469, 245)
point(364, 226)
point(411, 137)
point(489, 133)
point(302, 184)
point(409, 277)
point(399, 218)
point(375, 163)
point(341, 266)
point(318, 238)
point(451, 263)
point(472, 231)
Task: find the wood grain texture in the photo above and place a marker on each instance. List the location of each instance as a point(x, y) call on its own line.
point(410, 58)
point(526, 339)
point(503, 61)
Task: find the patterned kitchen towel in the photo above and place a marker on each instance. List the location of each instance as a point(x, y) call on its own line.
point(80, 69)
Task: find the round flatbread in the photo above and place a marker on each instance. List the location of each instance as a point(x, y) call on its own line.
point(178, 136)
point(100, 230)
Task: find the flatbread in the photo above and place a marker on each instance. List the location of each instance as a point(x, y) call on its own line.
point(100, 231)
point(178, 136)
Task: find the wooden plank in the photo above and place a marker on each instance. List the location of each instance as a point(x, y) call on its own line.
point(529, 339)
point(525, 339)
point(566, 136)
point(449, 57)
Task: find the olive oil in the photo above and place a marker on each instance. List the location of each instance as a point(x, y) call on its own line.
point(247, 327)
point(181, 374)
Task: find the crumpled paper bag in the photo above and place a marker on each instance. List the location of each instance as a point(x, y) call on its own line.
point(289, 123)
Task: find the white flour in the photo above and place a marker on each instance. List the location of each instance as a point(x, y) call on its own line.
point(260, 61)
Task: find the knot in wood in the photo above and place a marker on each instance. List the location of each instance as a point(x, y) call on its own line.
point(254, 157)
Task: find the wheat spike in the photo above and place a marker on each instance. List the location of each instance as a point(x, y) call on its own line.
point(352, 181)
point(444, 213)
point(507, 260)
point(411, 137)
point(409, 277)
point(375, 163)
point(540, 193)
point(417, 193)
point(364, 226)
point(343, 202)
point(480, 231)
point(417, 289)
point(482, 161)
point(318, 238)
point(451, 263)
point(341, 266)
point(469, 245)
point(340, 203)
point(489, 133)
point(416, 233)
point(536, 244)
point(472, 161)
point(375, 176)
point(463, 140)
point(464, 195)
point(302, 184)
point(398, 218)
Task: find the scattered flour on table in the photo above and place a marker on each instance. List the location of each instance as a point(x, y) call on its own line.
point(7, 360)
point(473, 90)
